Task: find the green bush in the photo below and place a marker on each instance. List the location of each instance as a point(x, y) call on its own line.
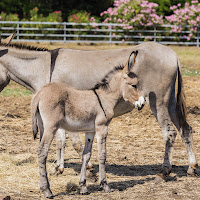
point(8, 17)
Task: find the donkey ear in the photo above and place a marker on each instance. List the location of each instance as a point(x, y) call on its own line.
point(131, 61)
point(8, 39)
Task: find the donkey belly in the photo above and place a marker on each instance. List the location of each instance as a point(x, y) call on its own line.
point(76, 125)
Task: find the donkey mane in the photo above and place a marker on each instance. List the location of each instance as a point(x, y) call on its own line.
point(25, 46)
point(104, 83)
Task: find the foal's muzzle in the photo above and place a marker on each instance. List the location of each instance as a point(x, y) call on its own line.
point(140, 103)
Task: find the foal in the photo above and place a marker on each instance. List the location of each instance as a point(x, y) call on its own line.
point(58, 106)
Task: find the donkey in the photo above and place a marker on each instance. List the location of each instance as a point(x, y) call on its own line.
point(82, 110)
point(157, 68)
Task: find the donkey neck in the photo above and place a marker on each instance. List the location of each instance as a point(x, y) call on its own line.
point(28, 68)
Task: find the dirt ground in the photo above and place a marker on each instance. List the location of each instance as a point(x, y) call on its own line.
point(135, 150)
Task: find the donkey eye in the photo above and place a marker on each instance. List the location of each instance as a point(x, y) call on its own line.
point(134, 86)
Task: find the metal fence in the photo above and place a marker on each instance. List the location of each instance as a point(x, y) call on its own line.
point(99, 33)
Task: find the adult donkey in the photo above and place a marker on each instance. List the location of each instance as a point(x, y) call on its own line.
point(157, 67)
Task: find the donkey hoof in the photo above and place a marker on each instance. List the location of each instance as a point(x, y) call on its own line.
point(166, 171)
point(90, 166)
point(48, 194)
point(160, 178)
point(106, 189)
point(57, 170)
point(84, 190)
point(60, 171)
point(193, 171)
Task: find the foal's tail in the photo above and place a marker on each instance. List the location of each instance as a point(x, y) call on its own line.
point(181, 103)
point(34, 113)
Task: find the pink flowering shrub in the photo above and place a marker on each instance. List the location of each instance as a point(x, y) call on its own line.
point(131, 13)
point(188, 15)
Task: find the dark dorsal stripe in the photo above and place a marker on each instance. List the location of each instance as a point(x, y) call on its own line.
point(54, 55)
point(24, 46)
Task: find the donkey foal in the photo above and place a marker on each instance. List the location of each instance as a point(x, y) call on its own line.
point(59, 106)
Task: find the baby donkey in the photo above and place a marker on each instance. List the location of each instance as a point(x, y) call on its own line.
point(58, 106)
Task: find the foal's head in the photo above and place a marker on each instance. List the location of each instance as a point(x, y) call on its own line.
point(129, 84)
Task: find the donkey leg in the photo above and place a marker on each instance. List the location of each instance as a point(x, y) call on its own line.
point(77, 144)
point(159, 106)
point(42, 157)
point(89, 137)
point(186, 133)
point(60, 147)
point(169, 136)
point(4, 78)
point(101, 133)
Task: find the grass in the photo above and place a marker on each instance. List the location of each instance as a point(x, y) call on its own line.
point(190, 59)
point(15, 90)
point(189, 56)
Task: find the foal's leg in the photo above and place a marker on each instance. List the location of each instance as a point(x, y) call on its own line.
point(42, 157)
point(60, 147)
point(101, 133)
point(89, 137)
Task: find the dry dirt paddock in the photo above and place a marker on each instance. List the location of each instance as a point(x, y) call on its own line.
point(135, 152)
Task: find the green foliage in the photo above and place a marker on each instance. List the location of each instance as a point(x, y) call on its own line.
point(52, 17)
point(164, 5)
point(55, 16)
point(23, 7)
point(8, 17)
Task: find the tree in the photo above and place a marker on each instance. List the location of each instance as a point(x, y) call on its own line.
point(22, 7)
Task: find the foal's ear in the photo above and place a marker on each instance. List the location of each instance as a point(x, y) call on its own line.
point(131, 61)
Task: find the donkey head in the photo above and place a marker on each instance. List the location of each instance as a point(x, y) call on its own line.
point(130, 91)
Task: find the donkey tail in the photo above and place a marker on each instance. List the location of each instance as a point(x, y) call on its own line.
point(181, 100)
point(34, 113)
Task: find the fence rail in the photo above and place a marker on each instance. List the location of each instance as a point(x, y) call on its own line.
point(99, 33)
